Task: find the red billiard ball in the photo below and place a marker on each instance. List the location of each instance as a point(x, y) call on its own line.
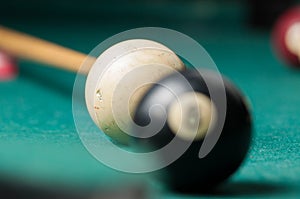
point(286, 37)
point(8, 67)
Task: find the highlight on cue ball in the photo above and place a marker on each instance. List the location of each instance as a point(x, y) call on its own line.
point(106, 84)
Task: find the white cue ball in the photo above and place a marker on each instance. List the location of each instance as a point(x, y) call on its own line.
point(190, 116)
point(104, 102)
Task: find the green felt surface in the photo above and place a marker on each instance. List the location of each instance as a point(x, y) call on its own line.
point(38, 139)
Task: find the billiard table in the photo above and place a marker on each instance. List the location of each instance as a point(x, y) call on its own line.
point(42, 155)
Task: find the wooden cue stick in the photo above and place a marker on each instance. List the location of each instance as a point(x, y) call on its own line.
point(28, 47)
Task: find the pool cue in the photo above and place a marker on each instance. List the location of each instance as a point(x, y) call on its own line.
point(35, 49)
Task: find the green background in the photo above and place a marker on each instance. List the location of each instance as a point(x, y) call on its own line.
point(38, 139)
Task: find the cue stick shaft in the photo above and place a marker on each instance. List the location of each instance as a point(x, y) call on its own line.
point(28, 47)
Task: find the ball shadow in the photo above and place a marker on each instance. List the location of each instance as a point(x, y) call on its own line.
point(250, 188)
point(243, 189)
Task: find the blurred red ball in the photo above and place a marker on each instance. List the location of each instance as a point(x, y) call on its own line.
point(8, 67)
point(281, 27)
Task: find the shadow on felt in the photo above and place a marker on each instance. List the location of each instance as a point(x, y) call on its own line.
point(250, 188)
point(243, 188)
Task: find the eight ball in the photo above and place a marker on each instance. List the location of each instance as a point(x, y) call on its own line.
point(189, 173)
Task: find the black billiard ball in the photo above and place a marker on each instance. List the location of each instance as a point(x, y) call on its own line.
point(182, 104)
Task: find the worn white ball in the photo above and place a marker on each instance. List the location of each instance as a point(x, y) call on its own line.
point(120, 77)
